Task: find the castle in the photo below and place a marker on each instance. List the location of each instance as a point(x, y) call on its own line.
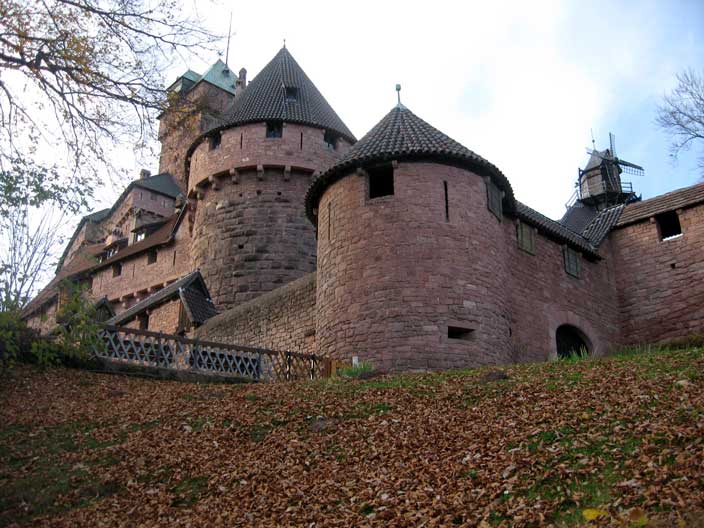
point(269, 224)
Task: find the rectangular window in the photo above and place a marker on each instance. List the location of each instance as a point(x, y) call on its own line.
point(668, 225)
point(291, 94)
point(274, 129)
point(526, 237)
point(572, 262)
point(330, 139)
point(152, 196)
point(457, 332)
point(494, 198)
point(215, 141)
point(151, 256)
point(381, 181)
point(140, 236)
point(143, 321)
point(116, 270)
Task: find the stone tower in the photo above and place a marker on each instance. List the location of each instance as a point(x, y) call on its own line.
point(412, 257)
point(198, 102)
point(248, 178)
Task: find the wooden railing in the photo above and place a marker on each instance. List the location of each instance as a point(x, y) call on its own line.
point(155, 349)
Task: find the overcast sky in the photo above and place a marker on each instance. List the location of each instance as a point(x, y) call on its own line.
point(522, 84)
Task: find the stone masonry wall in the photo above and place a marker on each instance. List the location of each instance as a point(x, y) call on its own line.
point(139, 278)
point(253, 237)
point(394, 274)
point(247, 146)
point(251, 234)
point(660, 282)
point(44, 320)
point(544, 296)
point(283, 319)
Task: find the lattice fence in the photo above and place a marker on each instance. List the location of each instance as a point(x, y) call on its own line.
point(171, 351)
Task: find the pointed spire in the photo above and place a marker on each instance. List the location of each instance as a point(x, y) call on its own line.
point(265, 98)
point(401, 135)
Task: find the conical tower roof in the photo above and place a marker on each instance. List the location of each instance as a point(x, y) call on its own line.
point(403, 136)
point(265, 99)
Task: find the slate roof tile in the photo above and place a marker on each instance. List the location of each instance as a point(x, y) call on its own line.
point(401, 135)
point(264, 99)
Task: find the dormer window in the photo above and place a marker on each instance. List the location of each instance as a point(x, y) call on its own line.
point(141, 235)
point(215, 140)
point(274, 129)
point(330, 139)
point(111, 252)
point(291, 94)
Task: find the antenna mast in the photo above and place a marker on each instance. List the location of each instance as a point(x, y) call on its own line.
point(229, 33)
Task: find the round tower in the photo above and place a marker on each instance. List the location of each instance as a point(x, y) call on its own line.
point(248, 179)
point(412, 263)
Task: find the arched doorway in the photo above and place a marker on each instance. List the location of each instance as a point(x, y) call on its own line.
point(570, 341)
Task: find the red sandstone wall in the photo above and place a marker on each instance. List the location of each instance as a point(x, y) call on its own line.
point(283, 319)
point(251, 234)
point(139, 279)
point(256, 149)
point(544, 297)
point(393, 274)
point(661, 283)
point(43, 320)
point(165, 317)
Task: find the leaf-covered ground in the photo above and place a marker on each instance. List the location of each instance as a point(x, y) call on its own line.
point(612, 442)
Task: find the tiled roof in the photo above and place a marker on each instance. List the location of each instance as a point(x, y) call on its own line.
point(264, 99)
point(162, 183)
point(401, 135)
point(191, 289)
point(220, 75)
point(667, 202)
point(578, 217)
point(599, 228)
point(554, 229)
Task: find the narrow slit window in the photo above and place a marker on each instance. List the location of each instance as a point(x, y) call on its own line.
point(381, 181)
point(329, 220)
point(241, 137)
point(301, 140)
point(274, 129)
point(215, 141)
point(668, 225)
point(447, 203)
point(459, 333)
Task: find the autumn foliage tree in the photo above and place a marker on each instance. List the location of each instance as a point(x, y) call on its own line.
point(78, 77)
point(681, 114)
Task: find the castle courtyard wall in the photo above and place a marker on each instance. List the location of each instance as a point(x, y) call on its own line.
point(283, 319)
point(660, 282)
point(544, 296)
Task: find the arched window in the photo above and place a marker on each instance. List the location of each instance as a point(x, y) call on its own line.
point(570, 341)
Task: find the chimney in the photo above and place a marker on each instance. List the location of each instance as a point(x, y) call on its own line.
point(144, 174)
point(241, 82)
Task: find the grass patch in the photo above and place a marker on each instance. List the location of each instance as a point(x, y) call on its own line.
point(189, 491)
point(360, 370)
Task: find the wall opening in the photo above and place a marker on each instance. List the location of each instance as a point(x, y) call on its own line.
point(381, 181)
point(274, 129)
point(143, 320)
point(116, 270)
point(215, 141)
point(459, 333)
point(570, 341)
point(151, 257)
point(447, 203)
point(330, 139)
point(668, 225)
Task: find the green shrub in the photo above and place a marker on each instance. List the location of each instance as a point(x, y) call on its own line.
point(360, 370)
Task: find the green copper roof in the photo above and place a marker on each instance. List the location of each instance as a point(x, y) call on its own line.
point(220, 75)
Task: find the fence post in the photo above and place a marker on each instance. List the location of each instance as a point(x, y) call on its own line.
point(288, 366)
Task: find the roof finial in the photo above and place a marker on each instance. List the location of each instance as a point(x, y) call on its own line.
point(284, 43)
point(398, 94)
point(591, 130)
